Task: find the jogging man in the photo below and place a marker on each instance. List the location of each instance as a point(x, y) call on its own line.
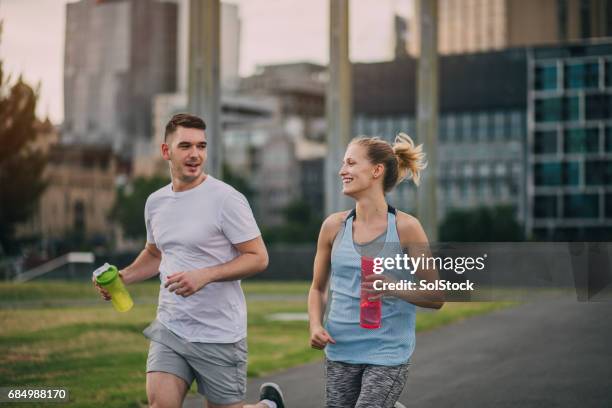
point(202, 239)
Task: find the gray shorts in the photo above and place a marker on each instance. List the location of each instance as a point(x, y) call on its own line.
point(363, 385)
point(218, 368)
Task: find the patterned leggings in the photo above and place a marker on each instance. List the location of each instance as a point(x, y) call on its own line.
point(363, 385)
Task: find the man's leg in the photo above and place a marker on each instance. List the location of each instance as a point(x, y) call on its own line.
point(165, 390)
point(168, 377)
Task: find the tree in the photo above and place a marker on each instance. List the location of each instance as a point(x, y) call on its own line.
point(21, 165)
point(301, 225)
point(129, 206)
point(239, 183)
point(482, 224)
point(128, 210)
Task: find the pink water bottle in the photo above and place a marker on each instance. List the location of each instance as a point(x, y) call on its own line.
point(370, 312)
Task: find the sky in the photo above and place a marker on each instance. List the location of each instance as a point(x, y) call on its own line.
point(272, 31)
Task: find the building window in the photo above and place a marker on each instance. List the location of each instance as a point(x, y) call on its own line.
point(545, 142)
point(582, 75)
point(608, 212)
point(465, 128)
point(499, 126)
point(571, 109)
point(516, 129)
point(609, 72)
point(500, 170)
point(546, 77)
point(548, 110)
point(451, 127)
point(581, 206)
point(581, 140)
point(608, 141)
point(547, 174)
point(481, 189)
point(598, 172)
point(496, 189)
point(571, 173)
point(443, 131)
point(482, 128)
point(598, 106)
point(545, 206)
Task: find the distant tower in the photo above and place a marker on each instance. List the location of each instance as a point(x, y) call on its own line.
point(118, 55)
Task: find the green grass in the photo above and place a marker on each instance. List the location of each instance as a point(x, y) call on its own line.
point(100, 355)
point(52, 291)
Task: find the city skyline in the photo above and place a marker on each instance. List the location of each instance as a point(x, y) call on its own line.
point(39, 55)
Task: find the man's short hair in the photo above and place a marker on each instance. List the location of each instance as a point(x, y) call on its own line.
point(185, 120)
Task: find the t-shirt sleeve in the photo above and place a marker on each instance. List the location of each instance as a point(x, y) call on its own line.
point(237, 220)
point(147, 214)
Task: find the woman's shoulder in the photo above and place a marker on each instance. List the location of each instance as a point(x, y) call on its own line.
point(333, 223)
point(335, 220)
point(410, 228)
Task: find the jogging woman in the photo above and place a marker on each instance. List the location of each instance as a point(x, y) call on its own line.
point(368, 367)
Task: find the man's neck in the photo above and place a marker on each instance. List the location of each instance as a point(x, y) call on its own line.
point(178, 185)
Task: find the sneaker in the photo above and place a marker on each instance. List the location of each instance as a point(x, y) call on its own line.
point(399, 405)
point(272, 392)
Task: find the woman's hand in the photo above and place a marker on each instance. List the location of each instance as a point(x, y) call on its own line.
point(319, 337)
point(376, 294)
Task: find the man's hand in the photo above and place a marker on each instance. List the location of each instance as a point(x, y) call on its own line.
point(103, 292)
point(319, 337)
point(186, 283)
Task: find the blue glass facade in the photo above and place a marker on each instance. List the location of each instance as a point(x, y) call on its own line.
point(480, 154)
point(570, 144)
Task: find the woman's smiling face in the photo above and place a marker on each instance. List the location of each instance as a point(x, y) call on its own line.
point(357, 172)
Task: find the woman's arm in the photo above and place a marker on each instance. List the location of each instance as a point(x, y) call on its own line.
point(413, 237)
point(321, 270)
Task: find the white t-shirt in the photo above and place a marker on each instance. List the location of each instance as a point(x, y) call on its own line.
point(195, 229)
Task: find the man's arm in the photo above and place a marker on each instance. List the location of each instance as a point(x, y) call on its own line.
point(145, 265)
point(253, 259)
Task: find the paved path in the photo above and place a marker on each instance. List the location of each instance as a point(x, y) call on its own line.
point(550, 353)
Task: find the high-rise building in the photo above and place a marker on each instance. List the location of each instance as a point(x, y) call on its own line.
point(569, 174)
point(481, 25)
point(118, 55)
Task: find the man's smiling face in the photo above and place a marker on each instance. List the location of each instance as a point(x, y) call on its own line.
point(185, 150)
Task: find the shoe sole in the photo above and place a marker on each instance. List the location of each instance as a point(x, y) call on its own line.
point(276, 387)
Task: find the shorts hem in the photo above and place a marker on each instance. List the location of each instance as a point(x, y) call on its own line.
point(154, 370)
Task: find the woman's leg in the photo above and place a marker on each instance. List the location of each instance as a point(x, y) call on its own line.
point(343, 384)
point(381, 386)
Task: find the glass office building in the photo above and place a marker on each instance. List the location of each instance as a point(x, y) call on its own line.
point(482, 125)
point(480, 156)
point(569, 177)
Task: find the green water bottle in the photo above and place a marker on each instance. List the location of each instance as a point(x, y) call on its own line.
point(108, 277)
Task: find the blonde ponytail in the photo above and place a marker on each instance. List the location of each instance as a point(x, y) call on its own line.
point(410, 158)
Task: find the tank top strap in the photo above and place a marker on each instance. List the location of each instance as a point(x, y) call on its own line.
point(392, 233)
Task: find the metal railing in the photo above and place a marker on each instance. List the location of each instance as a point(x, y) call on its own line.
point(66, 259)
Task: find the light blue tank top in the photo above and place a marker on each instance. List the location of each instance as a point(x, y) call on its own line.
point(393, 342)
